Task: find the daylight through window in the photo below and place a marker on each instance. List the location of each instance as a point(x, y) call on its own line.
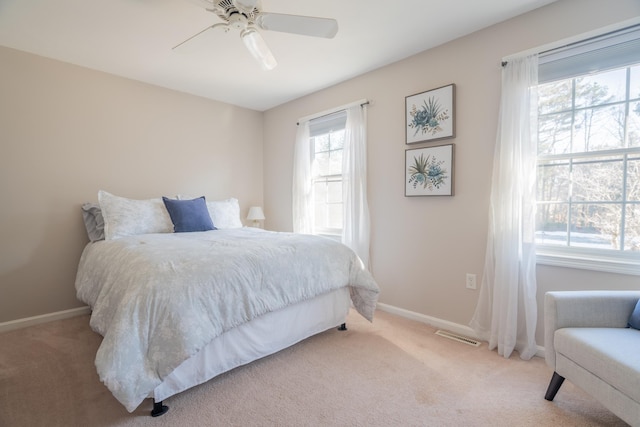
point(588, 183)
point(327, 141)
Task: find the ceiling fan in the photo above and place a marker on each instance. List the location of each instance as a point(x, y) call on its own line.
point(247, 17)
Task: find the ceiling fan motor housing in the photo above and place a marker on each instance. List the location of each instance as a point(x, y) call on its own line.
point(228, 11)
point(237, 21)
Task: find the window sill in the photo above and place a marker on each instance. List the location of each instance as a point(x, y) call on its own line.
point(589, 260)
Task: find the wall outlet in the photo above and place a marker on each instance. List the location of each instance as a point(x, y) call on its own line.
point(471, 281)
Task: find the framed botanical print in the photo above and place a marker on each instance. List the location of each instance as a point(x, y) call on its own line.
point(429, 171)
point(430, 115)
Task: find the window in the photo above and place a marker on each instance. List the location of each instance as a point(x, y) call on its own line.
point(329, 188)
point(327, 141)
point(588, 183)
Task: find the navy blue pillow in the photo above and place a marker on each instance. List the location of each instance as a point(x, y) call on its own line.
point(189, 215)
point(634, 320)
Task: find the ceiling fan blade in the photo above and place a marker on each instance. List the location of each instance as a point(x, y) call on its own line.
point(297, 24)
point(197, 34)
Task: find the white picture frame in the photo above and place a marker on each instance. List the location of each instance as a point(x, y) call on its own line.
point(430, 115)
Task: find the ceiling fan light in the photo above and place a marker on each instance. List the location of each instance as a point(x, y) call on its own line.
point(258, 48)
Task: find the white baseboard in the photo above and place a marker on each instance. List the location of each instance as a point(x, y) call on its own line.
point(44, 318)
point(429, 320)
point(439, 323)
point(422, 318)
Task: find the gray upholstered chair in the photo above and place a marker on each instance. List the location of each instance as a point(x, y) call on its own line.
point(587, 341)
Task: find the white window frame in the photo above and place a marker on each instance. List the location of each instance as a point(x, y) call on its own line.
point(330, 126)
point(613, 261)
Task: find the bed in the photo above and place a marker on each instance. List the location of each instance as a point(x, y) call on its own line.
point(175, 309)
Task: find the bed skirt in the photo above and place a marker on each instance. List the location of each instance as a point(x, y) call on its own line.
point(260, 337)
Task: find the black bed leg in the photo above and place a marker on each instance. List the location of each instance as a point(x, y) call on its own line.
point(554, 386)
point(159, 409)
point(342, 327)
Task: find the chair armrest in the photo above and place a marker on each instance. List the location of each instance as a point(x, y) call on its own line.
point(584, 309)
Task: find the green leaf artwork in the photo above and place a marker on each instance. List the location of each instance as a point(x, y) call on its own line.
point(427, 172)
point(428, 117)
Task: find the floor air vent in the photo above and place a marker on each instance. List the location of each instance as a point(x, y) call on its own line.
point(459, 338)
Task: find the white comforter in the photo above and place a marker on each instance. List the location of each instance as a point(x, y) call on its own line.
point(159, 298)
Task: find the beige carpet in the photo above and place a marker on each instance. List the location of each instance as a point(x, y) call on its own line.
point(394, 372)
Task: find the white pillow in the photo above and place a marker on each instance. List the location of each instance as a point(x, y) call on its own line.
point(224, 213)
point(128, 217)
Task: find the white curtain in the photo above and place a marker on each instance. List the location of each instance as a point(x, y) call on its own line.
point(355, 232)
point(506, 313)
point(302, 196)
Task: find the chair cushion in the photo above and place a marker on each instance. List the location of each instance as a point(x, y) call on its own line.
point(612, 354)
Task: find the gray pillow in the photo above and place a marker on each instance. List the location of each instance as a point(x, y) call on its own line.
point(634, 320)
point(93, 221)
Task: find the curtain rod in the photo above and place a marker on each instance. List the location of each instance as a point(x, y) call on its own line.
point(361, 102)
point(548, 48)
point(551, 50)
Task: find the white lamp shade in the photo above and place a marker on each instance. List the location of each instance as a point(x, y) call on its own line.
point(255, 213)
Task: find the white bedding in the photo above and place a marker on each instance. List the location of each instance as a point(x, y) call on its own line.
point(159, 298)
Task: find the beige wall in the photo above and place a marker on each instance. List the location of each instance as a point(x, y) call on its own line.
point(66, 132)
point(422, 247)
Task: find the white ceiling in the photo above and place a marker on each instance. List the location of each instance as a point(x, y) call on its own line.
point(134, 39)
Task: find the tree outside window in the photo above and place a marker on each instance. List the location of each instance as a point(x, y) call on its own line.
point(326, 173)
point(589, 161)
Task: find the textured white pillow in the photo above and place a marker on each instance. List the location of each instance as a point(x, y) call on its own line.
point(128, 217)
point(224, 213)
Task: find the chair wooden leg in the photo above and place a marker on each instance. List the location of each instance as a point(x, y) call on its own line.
point(554, 386)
